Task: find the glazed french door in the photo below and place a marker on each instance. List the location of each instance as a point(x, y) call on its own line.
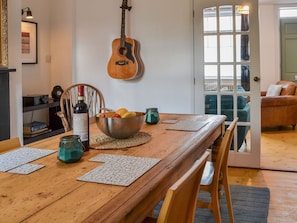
point(226, 39)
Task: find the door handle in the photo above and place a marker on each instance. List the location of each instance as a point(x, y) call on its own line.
point(256, 79)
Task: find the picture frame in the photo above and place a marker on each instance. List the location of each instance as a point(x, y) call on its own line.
point(3, 34)
point(29, 43)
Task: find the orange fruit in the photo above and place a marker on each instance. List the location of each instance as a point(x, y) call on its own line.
point(121, 111)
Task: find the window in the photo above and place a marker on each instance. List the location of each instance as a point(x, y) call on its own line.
point(286, 12)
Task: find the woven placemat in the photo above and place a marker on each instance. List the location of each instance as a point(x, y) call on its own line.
point(187, 125)
point(103, 141)
point(118, 169)
point(19, 157)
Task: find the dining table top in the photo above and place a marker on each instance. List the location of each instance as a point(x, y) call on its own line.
point(54, 193)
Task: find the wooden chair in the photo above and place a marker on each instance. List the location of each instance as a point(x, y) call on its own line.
point(215, 177)
point(180, 202)
point(93, 98)
point(9, 144)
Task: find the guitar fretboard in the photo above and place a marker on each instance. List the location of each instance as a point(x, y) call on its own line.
point(124, 7)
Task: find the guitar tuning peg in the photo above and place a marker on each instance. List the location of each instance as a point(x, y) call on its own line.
point(126, 7)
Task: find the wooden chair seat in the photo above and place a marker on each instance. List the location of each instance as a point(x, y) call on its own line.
point(179, 205)
point(215, 177)
point(9, 144)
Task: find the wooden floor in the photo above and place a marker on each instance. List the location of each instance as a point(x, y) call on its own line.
point(279, 159)
point(279, 149)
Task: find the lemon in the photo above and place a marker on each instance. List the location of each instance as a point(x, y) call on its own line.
point(109, 114)
point(129, 114)
point(121, 111)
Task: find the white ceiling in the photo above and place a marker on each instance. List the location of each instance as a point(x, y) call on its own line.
point(278, 1)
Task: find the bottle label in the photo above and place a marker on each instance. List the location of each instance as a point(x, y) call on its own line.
point(80, 126)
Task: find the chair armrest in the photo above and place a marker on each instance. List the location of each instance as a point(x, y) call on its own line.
point(270, 101)
point(263, 93)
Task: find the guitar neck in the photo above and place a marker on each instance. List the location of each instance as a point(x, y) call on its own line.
point(124, 7)
point(123, 35)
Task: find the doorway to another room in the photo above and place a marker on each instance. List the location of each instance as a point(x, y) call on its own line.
point(278, 144)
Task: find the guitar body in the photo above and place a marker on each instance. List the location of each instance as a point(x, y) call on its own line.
point(125, 61)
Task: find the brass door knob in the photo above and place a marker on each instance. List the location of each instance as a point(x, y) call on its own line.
point(256, 79)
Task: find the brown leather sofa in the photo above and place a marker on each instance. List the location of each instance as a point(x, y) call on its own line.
point(280, 110)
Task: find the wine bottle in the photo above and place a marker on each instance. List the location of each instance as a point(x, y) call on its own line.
point(81, 119)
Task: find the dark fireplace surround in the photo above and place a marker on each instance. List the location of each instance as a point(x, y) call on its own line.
point(4, 105)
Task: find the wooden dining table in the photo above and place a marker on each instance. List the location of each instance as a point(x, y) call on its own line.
point(53, 193)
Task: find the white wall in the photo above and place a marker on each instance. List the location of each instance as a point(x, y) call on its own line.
point(62, 50)
point(269, 45)
point(36, 77)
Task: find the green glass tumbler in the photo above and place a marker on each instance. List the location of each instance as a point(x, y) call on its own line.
point(152, 116)
point(70, 149)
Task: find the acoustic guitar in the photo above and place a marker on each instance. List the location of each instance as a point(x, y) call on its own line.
point(125, 61)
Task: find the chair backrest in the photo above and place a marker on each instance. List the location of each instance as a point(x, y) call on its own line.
point(9, 144)
point(223, 151)
point(180, 202)
point(93, 98)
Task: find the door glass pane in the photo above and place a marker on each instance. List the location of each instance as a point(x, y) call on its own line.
point(211, 104)
point(227, 105)
point(210, 20)
point(226, 48)
point(226, 19)
point(210, 48)
point(242, 47)
point(238, 74)
point(242, 18)
point(211, 77)
point(243, 139)
point(243, 76)
point(226, 77)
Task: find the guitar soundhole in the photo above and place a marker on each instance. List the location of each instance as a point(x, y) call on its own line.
point(123, 50)
point(122, 62)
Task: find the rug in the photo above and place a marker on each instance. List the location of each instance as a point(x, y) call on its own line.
point(250, 205)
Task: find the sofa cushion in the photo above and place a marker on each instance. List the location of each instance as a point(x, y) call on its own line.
point(274, 90)
point(288, 87)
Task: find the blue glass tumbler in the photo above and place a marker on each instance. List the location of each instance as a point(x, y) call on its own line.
point(70, 149)
point(152, 116)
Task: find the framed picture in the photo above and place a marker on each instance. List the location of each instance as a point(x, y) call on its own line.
point(3, 34)
point(29, 42)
